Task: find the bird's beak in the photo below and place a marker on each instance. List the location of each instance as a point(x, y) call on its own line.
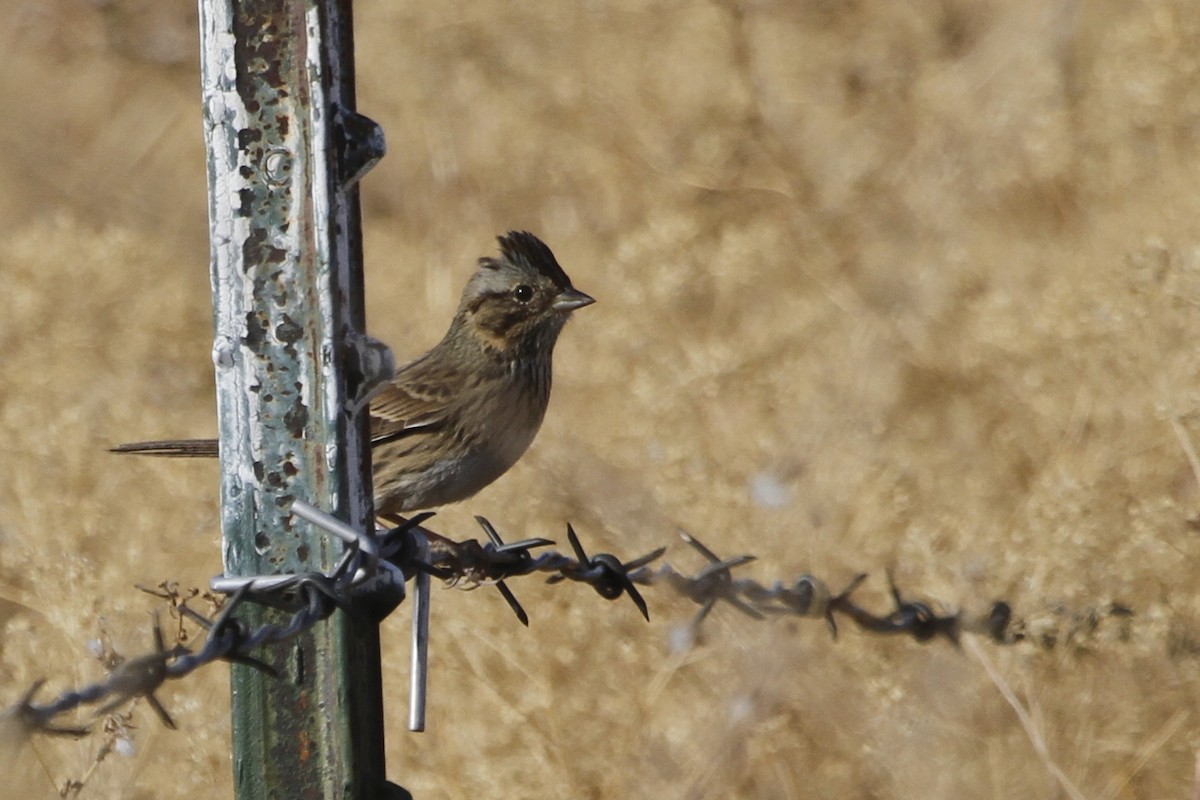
point(571, 299)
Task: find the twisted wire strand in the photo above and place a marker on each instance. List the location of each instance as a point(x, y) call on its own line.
point(308, 599)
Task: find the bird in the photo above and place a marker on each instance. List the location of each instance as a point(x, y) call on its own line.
point(455, 419)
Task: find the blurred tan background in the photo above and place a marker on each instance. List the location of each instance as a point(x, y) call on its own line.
point(882, 285)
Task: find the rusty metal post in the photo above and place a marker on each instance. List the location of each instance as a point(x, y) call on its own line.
point(285, 149)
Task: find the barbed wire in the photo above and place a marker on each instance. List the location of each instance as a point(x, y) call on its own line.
point(370, 578)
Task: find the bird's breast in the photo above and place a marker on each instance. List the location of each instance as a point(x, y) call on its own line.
point(513, 420)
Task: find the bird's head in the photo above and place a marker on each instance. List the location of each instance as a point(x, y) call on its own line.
point(521, 299)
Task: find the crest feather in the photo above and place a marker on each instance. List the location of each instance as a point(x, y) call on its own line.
point(525, 249)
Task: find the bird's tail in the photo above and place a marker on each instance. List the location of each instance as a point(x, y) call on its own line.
point(171, 448)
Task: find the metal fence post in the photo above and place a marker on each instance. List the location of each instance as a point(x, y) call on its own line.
point(284, 149)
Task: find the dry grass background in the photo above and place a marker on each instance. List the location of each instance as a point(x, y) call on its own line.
point(928, 271)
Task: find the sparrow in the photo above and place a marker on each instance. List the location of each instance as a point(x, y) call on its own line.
point(457, 418)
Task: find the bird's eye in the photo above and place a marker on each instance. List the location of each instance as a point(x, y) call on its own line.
point(523, 293)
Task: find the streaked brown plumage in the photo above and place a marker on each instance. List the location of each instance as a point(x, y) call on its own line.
point(455, 419)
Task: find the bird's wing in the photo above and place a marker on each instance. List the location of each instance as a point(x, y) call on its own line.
point(417, 399)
